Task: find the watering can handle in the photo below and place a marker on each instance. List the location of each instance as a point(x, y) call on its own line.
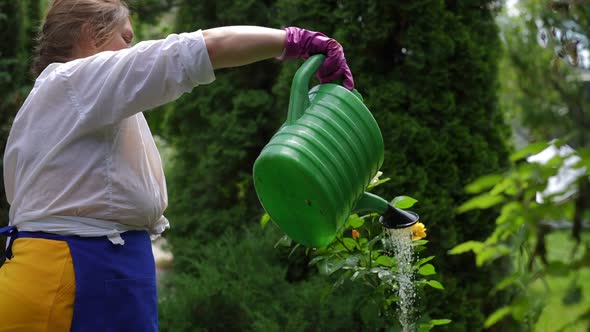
point(299, 89)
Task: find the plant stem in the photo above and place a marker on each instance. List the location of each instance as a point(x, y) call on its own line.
point(344, 245)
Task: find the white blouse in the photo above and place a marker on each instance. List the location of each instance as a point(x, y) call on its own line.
point(80, 158)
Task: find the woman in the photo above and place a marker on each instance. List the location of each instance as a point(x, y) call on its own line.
point(81, 170)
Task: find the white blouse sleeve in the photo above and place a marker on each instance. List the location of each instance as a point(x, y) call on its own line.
point(110, 86)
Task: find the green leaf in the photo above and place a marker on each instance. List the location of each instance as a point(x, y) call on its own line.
point(316, 259)
point(505, 186)
point(464, 247)
point(482, 201)
point(358, 274)
point(425, 327)
point(483, 183)
point(435, 284)
point(327, 267)
point(490, 253)
point(392, 299)
point(355, 221)
point(419, 249)
point(419, 242)
point(497, 316)
point(350, 243)
point(385, 261)
point(352, 261)
point(437, 322)
point(427, 270)
point(424, 260)
point(529, 150)
point(403, 202)
point(264, 220)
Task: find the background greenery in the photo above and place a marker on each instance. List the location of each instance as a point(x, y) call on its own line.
point(428, 70)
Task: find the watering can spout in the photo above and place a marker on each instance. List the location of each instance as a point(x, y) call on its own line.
point(391, 217)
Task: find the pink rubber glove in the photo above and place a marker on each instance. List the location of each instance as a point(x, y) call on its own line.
point(301, 43)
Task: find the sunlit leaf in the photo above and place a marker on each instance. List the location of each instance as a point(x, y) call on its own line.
point(355, 221)
point(427, 270)
point(483, 183)
point(424, 260)
point(483, 201)
point(529, 150)
point(521, 307)
point(384, 261)
point(474, 246)
point(437, 322)
point(419, 242)
point(488, 254)
point(497, 316)
point(349, 243)
point(509, 212)
point(264, 220)
point(554, 162)
point(435, 284)
point(505, 186)
point(403, 202)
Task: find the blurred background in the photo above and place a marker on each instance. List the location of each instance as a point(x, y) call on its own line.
point(485, 111)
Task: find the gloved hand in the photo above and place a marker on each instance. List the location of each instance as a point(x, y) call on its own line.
point(301, 43)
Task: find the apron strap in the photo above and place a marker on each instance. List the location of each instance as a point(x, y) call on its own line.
point(12, 233)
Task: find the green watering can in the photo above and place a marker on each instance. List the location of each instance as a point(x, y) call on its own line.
point(312, 174)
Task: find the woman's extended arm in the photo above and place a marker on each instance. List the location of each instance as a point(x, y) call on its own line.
point(110, 86)
point(234, 46)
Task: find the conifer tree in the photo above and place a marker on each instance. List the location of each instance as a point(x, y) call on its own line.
point(427, 71)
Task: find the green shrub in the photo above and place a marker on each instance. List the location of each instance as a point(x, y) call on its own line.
point(239, 283)
point(427, 71)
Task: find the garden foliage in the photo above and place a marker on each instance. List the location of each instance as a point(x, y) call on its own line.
point(544, 86)
point(427, 71)
point(18, 22)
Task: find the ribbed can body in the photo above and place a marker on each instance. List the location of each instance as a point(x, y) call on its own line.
point(312, 172)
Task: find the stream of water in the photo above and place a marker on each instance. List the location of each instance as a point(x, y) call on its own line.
point(399, 243)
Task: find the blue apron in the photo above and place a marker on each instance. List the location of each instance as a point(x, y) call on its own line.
point(115, 284)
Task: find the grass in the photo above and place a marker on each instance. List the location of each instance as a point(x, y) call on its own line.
point(568, 296)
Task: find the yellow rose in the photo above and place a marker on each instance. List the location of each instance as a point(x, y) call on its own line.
point(418, 231)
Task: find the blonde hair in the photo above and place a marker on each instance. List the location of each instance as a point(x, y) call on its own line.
point(64, 23)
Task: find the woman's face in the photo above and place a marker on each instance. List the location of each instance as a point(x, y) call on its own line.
point(122, 38)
